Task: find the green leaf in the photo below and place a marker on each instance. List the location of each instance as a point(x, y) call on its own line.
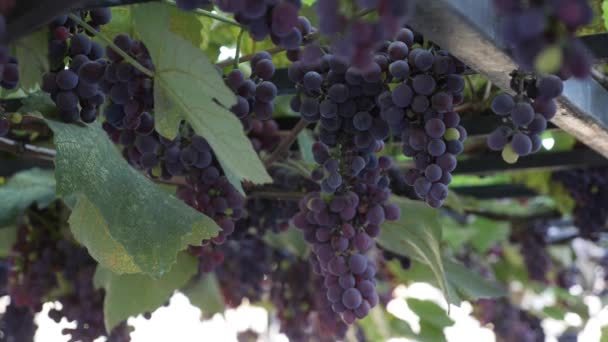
point(37, 104)
point(185, 25)
point(133, 294)
point(205, 294)
point(24, 189)
point(430, 312)
point(291, 240)
point(149, 224)
point(90, 229)
point(122, 22)
point(380, 325)
point(32, 52)
point(187, 87)
point(418, 235)
point(470, 283)
point(8, 236)
point(305, 142)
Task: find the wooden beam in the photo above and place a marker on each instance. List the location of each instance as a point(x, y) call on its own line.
point(468, 30)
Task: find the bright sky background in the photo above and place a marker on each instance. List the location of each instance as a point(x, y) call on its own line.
point(182, 322)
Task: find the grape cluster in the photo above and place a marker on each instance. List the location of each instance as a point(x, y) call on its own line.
point(76, 90)
point(84, 304)
point(300, 304)
point(542, 34)
point(589, 189)
point(268, 214)
point(247, 262)
point(33, 278)
point(255, 95)
point(278, 19)
point(420, 109)
point(533, 247)
point(511, 324)
point(9, 68)
point(525, 116)
point(39, 254)
point(17, 324)
point(355, 39)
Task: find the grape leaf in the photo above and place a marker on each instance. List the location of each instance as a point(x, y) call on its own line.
point(470, 283)
point(24, 189)
point(151, 225)
point(430, 312)
point(305, 142)
point(133, 294)
point(204, 293)
point(417, 235)
point(187, 87)
point(32, 51)
point(381, 325)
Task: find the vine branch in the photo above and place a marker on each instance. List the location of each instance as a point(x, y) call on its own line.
point(285, 143)
point(27, 150)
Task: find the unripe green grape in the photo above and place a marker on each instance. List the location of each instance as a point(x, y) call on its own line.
point(508, 155)
point(451, 134)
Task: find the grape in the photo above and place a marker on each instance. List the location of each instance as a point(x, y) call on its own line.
point(447, 162)
point(451, 134)
point(436, 147)
point(420, 104)
point(424, 60)
point(442, 102)
point(264, 69)
point(91, 72)
point(328, 109)
point(67, 79)
point(422, 186)
point(101, 16)
point(362, 121)
point(522, 114)
point(67, 100)
point(80, 44)
point(351, 298)
point(266, 92)
point(433, 172)
point(550, 87)
point(499, 138)
point(521, 144)
point(312, 81)
point(435, 128)
point(503, 104)
point(338, 93)
point(424, 84)
point(538, 124)
point(439, 192)
point(402, 95)
point(548, 109)
point(399, 69)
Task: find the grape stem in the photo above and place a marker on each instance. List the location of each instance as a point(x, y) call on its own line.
point(237, 54)
point(209, 14)
point(309, 38)
point(284, 196)
point(285, 143)
point(110, 43)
